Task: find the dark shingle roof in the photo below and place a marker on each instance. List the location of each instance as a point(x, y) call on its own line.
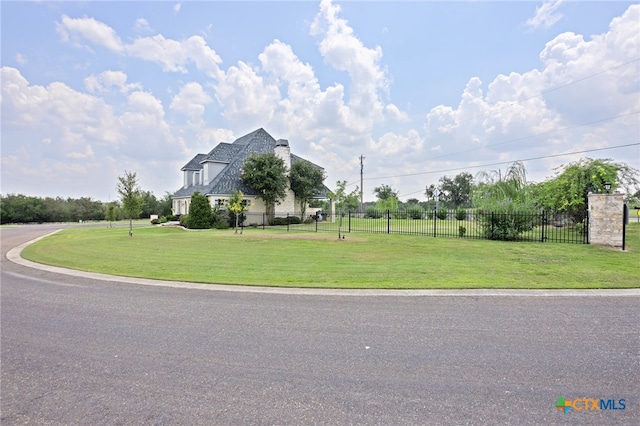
point(235, 154)
point(194, 164)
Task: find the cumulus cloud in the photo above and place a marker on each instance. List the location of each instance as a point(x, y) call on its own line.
point(191, 101)
point(546, 15)
point(105, 81)
point(171, 55)
point(548, 110)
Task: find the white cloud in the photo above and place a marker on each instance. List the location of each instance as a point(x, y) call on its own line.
point(171, 55)
point(191, 101)
point(142, 26)
point(581, 82)
point(21, 59)
point(90, 29)
point(546, 15)
point(177, 7)
point(106, 80)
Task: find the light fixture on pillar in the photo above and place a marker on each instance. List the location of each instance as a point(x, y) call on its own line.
point(607, 186)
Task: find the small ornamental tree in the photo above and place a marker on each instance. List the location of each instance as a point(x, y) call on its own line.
point(111, 213)
point(306, 181)
point(267, 175)
point(387, 197)
point(237, 206)
point(200, 214)
point(130, 196)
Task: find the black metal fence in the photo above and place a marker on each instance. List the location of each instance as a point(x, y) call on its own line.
point(541, 226)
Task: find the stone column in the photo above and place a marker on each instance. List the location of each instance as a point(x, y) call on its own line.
point(605, 219)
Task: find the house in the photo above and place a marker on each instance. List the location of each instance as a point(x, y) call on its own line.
point(217, 174)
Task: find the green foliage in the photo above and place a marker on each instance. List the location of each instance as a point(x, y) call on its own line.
point(387, 197)
point(495, 191)
point(456, 191)
point(200, 213)
point(266, 174)
point(461, 214)
point(415, 212)
point(306, 182)
point(280, 221)
point(569, 189)
point(111, 213)
point(236, 206)
point(461, 231)
point(374, 213)
point(345, 202)
point(184, 220)
point(130, 197)
point(442, 214)
point(506, 224)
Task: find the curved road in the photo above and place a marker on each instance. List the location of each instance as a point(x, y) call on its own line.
point(78, 350)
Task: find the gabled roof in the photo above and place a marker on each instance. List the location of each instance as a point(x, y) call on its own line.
point(234, 155)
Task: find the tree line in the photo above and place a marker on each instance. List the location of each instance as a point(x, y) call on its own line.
point(19, 208)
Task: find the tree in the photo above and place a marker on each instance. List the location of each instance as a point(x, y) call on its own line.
point(569, 189)
point(345, 202)
point(267, 175)
point(130, 197)
point(457, 191)
point(306, 181)
point(387, 197)
point(200, 214)
point(509, 191)
point(237, 206)
point(110, 215)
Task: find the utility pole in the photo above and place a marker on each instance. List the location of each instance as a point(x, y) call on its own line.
point(361, 183)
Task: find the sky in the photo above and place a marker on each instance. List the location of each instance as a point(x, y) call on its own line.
point(421, 90)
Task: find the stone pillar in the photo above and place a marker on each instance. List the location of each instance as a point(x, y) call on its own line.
point(605, 219)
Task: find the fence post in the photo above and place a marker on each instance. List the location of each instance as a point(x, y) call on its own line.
point(434, 221)
point(287, 222)
point(388, 221)
point(544, 224)
point(316, 220)
point(349, 222)
point(263, 214)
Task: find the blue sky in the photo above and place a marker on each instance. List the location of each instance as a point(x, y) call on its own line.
point(421, 89)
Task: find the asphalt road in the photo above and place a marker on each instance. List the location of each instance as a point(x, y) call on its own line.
point(77, 350)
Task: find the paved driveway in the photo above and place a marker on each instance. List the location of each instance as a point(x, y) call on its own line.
point(77, 350)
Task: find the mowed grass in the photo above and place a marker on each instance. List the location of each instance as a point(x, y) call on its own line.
point(296, 259)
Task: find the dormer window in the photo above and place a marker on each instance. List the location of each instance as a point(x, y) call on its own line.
point(196, 178)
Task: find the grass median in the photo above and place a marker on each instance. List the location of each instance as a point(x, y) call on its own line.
point(320, 260)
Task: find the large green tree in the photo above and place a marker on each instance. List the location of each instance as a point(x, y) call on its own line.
point(306, 181)
point(387, 197)
point(267, 175)
point(568, 189)
point(456, 191)
point(130, 198)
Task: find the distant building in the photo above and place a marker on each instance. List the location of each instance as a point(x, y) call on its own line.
point(217, 174)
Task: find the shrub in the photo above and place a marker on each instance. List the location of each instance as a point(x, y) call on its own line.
point(415, 212)
point(442, 214)
point(506, 225)
point(253, 225)
point(308, 221)
point(155, 221)
point(461, 231)
point(373, 213)
point(184, 219)
point(221, 224)
point(461, 214)
point(430, 214)
point(280, 221)
point(163, 219)
point(400, 214)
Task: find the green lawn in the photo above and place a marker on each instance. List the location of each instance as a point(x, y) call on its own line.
point(297, 259)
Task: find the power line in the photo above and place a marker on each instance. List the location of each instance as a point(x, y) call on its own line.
point(507, 162)
point(538, 134)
